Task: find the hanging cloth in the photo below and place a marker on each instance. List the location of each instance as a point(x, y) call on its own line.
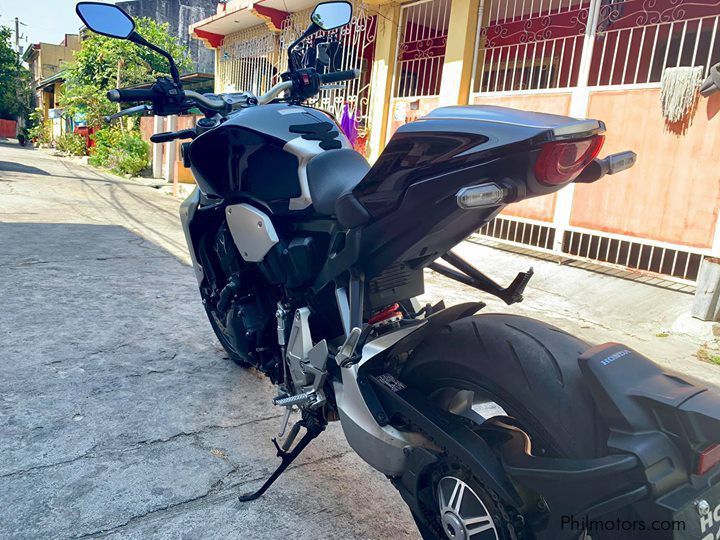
point(680, 92)
point(347, 124)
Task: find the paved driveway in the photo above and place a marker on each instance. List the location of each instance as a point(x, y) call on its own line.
point(119, 414)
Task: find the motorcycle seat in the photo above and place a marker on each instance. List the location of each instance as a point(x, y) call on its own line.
point(331, 177)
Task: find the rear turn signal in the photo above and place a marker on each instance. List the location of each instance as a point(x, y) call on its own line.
point(562, 162)
point(708, 459)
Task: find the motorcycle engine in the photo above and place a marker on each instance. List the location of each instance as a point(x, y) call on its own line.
point(241, 306)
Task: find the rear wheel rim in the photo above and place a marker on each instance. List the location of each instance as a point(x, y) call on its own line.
point(463, 514)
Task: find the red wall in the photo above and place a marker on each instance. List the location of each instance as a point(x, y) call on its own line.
point(8, 128)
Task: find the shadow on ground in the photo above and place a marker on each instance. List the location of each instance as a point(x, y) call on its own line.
point(120, 414)
point(20, 168)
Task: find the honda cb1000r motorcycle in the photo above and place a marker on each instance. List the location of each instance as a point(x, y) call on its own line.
point(309, 261)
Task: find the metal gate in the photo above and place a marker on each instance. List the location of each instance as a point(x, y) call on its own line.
point(421, 48)
point(248, 60)
point(573, 48)
point(253, 59)
point(419, 60)
point(349, 100)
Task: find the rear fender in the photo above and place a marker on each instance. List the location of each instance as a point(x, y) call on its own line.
point(663, 419)
point(639, 402)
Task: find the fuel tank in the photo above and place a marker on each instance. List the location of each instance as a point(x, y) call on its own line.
point(261, 154)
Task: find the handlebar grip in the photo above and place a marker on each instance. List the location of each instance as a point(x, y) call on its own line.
point(130, 94)
point(337, 76)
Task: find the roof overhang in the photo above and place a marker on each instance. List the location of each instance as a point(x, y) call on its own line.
point(30, 51)
point(237, 15)
point(58, 77)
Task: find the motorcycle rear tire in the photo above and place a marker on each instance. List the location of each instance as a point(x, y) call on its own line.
point(527, 367)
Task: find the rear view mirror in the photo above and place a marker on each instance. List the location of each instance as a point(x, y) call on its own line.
point(106, 19)
point(331, 15)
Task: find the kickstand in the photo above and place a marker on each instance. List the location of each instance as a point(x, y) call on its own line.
point(313, 430)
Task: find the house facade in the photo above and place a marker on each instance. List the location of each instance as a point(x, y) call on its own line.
point(585, 58)
point(45, 62)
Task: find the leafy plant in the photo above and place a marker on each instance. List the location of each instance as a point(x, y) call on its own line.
point(131, 156)
point(122, 152)
point(105, 140)
point(71, 143)
point(15, 94)
point(104, 63)
point(39, 129)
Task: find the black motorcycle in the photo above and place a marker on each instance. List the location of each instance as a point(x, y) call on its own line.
point(309, 261)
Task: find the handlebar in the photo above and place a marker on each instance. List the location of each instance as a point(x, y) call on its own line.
point(274, 92)
point(131, 94)
point(337, 76)
point(281, 87)
point(214, 103)
point(225, 102)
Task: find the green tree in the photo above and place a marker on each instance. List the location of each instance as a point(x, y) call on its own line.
point(104, 63)
point(14, 80)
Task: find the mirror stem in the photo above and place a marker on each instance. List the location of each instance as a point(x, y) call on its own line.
point(138, 39)
point(291, 57)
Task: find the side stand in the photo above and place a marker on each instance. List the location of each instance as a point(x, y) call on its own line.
point(313, 430)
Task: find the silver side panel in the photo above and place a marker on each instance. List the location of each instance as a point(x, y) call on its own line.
point(305, 150)
point(344, 308)
point(252, 231)
point(381, 447)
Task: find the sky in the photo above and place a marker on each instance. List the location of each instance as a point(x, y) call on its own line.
point(44, 20)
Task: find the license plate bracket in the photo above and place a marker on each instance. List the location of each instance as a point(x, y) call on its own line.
point(701, 516)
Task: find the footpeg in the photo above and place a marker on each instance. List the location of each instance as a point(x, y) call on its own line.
point(297, 400)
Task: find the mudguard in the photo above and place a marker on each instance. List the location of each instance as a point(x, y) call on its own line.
point(666, 421)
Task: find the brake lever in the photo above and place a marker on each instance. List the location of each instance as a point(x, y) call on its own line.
point(128, 112)
point(166, 136)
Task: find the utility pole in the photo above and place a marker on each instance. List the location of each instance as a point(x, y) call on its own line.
point(17, 38)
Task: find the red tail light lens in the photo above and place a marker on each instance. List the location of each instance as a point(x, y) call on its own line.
point(562, 162)
point(708, 459)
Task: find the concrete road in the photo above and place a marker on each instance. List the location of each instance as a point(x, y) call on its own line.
point(119, 414)
point(121, 417)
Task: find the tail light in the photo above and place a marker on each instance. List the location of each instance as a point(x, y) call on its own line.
point(708, 459)
point(562, 162)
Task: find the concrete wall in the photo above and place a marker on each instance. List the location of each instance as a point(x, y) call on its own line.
point(179, 14)
point(49, 58)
